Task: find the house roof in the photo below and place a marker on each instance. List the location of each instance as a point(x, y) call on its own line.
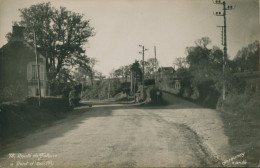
point(166, 69)
point(26, 44)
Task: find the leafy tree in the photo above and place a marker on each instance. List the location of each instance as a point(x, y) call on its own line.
point(197, 56)
point(122, 72)
point(119, 73)
point(60, 35)
point(247, 59)
point(136, 70)
point(205, 64)
point(127, 72)
point(136, 73)
point(204, 72)
point(185, 78)
point(91, 73)
point(180, 62)
point(62, 84)
point(203, 42)
point(216, 58)
point(150, 67)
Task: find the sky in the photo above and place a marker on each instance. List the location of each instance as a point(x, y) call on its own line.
point(170, 25)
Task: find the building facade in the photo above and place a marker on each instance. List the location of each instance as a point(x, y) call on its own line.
point(167, 80)
point(18, 68)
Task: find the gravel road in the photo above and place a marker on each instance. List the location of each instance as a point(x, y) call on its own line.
point(125, 135)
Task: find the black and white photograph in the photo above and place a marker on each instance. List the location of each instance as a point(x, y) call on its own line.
point(129, 83)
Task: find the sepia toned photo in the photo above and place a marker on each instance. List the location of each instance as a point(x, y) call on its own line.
point(129, 83)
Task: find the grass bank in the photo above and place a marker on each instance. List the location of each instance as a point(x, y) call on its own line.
point(18, 119)
point(240, 114)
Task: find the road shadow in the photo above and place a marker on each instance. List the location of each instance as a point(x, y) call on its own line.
point(60, 127)
point(51, 130)
point(79, 115)
point(170, 101)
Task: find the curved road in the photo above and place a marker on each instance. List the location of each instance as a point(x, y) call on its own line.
point(124, 135)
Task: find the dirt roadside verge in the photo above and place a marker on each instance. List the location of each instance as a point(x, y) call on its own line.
point(229, 137)
point(206, 123)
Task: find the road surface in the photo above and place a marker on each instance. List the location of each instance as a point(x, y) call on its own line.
point(126, 135)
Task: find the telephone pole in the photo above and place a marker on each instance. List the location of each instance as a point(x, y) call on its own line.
point(143, 50)
point(108, 88)
point(155, 65)
point(224, 39)
point(37, 66)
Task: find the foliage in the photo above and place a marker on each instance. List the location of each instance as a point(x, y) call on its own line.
point(136, 74)
point(22, 117)
point(136, 70)
point(246, 105)
point(12, 92)
point(205, 74)
point(180, 62)
point(82, 73)
point(123, 72)
point(149, 82)
point(50, 103)
point(125, 87)
point(91, 73)
point(62, 84)
point(200, 73)
point(149, 67)
point(114, 85)
point(247, 59)
point(185, 78)
point(100, 89)
point(60, 35)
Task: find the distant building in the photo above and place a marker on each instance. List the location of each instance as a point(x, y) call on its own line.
point(18, 67)
point(167, 80)
point(166, 72)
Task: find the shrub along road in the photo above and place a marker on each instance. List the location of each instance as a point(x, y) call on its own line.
point(127, 135)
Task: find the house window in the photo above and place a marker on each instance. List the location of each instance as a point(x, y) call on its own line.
point(34, 72)
point(177, 85)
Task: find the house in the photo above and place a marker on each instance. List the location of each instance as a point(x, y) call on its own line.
point(167, 80)
point(166, 72)
point(18, 69)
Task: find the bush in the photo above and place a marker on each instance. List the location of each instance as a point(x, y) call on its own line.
point(50, 103)
point(241, 117)
point(23, 117)
point(13, 92)
point(74, 101)
point(244, 105)
point(149, 82)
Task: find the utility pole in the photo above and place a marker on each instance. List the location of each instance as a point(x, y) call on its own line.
point(2, 70)
point(109, 88)
point(155, 64)
point(37, 66)
point(224, 39)
point(143, 50)
point(131, 79)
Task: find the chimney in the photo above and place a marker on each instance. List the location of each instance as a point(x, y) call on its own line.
point(18, 32)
